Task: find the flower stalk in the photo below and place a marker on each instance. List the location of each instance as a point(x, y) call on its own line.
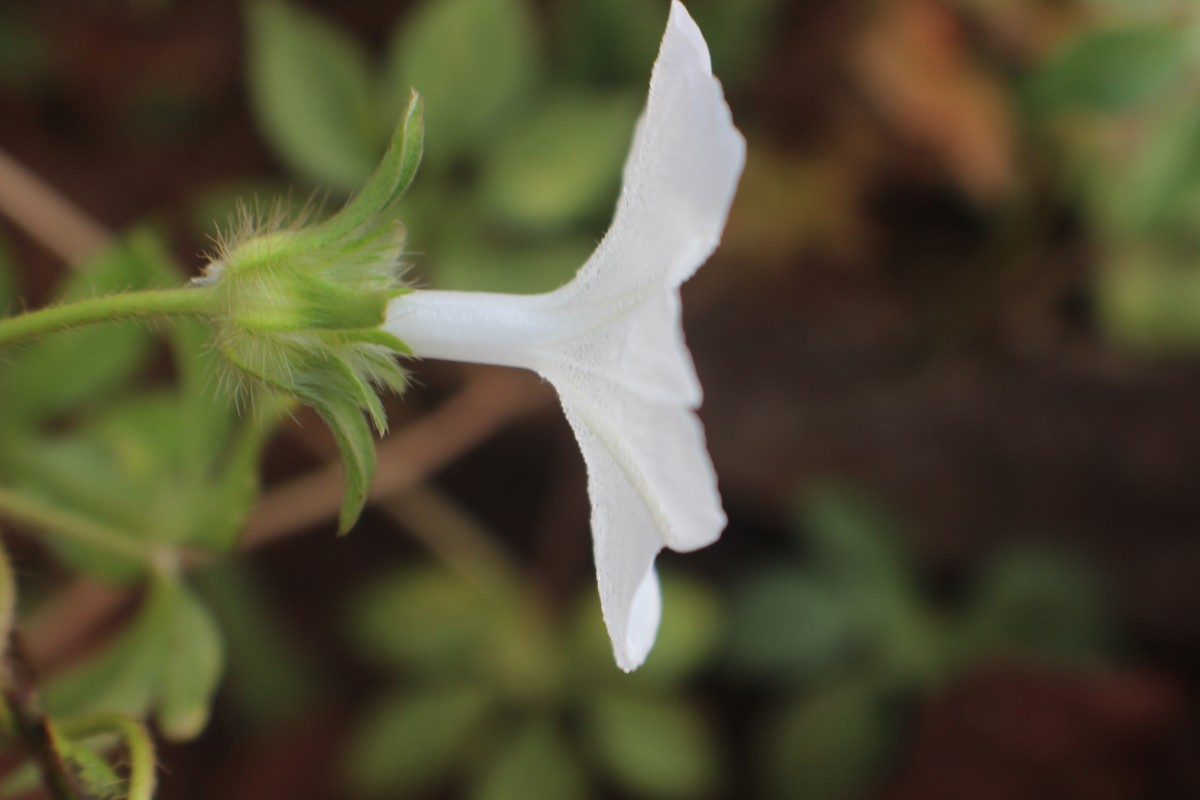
point(190, 301)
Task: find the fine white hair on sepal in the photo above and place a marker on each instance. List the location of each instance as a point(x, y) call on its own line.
point(611, 340)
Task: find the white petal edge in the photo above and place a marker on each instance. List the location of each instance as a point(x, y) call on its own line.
point(611, 340)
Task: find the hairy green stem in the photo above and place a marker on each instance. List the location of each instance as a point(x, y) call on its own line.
point(138, 745)
point(201, 301)
point(23, 508)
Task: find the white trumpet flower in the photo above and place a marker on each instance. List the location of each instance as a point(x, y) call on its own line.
point(611, 340)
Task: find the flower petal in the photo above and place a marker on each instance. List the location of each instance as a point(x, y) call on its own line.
point(611, 340)
point(650, 478)
point(680, 176)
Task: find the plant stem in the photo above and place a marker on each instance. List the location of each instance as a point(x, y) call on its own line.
point(21, 507)
point(30, 728)
point(8, 599)
point(150, 303)
point(138, 745)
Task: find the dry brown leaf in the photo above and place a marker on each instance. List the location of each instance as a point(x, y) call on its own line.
point(914, 65)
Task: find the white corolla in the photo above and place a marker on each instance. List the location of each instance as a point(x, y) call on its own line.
point(611, 341)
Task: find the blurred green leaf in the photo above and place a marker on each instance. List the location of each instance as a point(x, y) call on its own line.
point(270, 682)
point(471, 60)
point(86, 367)
point(412, 739)
point(83, 474)
point(1111, 70)
point(611, 42)
point(856, 548)
point(21, 781)
point(220, 448)
point(167, 659)
point(828, 746)
point(124, 677)
point(560, 163)
point(653, 745)
point(1149, 298)
point(310, 89)
point(422, 618)
point(25, 56)
point(853, 539)
point(533, 762)
point(1163, 188)
point(1032, 601)
point(737, 35)
point(156, 471)
point(211, 414)
point(195, 659)
point(785, 624)
point(469, 265)
point(688, 635)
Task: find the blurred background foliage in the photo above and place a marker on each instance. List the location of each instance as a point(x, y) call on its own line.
point(948, 347)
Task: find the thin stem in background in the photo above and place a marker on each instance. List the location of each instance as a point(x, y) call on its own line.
point(59, 225)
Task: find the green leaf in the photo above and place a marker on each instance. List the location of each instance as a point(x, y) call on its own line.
point(826, 747)
point(853, 539)
point(413, 739)
point(611, 42)
point(423, 618)
point(1032, 601)
point(310, 89)
point(470, 265)
point(439, 625)
point(194, 662)
point(1149, 298)
point(168, 659)
point(124, 677)
point(270, 681)
point(562, 162)
point(1113, 70)
point(357, 447)
point(85, 367)
point(21, 781)
point(533, 762)
point(736, 34)
point(84, 475)
point(390, 179)
point(1162, 190)
point(856, 549)
point(210, 413)
point(652, 745)
point(688, 635)
point(156, 470)
point(472, 60)
point(26, 55)
point(785, 624)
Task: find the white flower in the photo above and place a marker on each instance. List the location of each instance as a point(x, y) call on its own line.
point(611, 342)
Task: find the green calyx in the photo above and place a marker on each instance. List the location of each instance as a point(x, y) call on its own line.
point(304, 305)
